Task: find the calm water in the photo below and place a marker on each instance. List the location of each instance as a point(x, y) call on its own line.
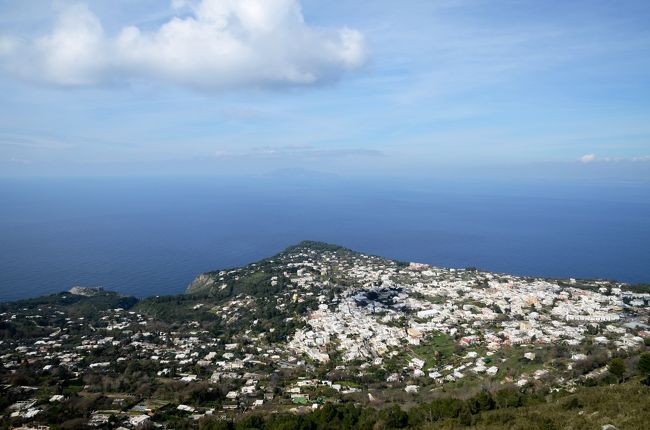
point(152, 236)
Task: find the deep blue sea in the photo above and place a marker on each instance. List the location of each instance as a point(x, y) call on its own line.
point(151, 236)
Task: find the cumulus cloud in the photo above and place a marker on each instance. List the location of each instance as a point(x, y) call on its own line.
point(209, 44)
point(588, 158)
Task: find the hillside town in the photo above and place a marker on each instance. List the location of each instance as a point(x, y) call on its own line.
point(312, 325)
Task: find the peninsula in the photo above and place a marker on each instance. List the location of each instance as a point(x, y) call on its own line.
point(320, 336)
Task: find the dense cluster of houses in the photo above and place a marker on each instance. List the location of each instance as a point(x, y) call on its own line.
point(393, 306)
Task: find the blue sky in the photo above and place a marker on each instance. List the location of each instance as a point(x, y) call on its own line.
point(347, 87)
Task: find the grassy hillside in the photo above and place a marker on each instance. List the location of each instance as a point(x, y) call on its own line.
point(624, 406)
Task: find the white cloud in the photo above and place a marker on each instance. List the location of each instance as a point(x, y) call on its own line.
point(75, 53)
point(588, 158)
point(214, 45)
point(591, 158)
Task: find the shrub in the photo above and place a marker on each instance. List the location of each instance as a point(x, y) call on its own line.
point(644, 363)
point(616, 367)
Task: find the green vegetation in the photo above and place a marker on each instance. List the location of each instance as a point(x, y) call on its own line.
point(174, 309)
point(616, 367)
point(435, 349)
point(624, 406)
point(73, 304)
point(644, 363)
point(311, 245)
point(637, 288)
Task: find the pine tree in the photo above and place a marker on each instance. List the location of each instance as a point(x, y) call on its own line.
point(616, 367)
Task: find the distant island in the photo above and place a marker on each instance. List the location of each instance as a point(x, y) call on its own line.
point(322, 337)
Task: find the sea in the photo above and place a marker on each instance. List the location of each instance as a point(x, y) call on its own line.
point(148, 236)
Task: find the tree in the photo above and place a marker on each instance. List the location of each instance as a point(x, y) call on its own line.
point(616, 367)
point(465, 416)
point(644, 363)
point(394, 417)
point(480, 402)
